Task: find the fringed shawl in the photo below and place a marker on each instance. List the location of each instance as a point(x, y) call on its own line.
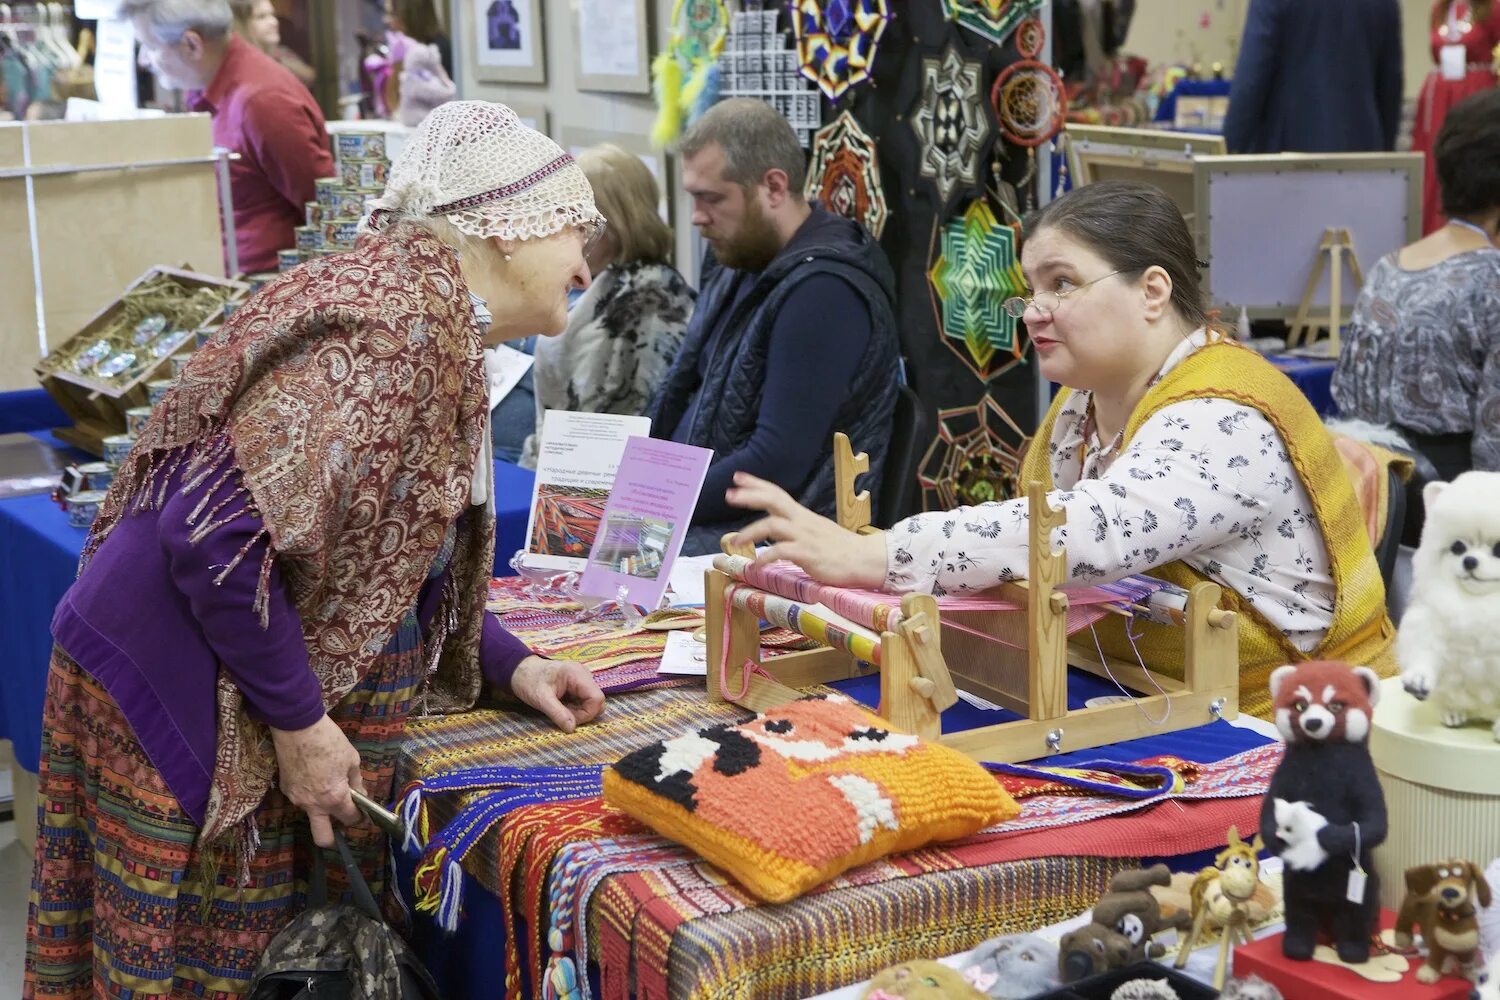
point(350, 393)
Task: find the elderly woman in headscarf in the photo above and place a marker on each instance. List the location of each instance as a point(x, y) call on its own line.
point(292, 561)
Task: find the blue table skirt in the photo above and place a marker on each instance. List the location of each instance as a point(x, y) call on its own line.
point(39, 560)
point(27, 410)
point(469, 964)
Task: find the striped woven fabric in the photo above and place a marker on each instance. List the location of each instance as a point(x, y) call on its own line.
point(671, 937)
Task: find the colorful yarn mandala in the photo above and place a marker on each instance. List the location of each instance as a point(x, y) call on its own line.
point(993, 19)
point(837, 40)
point(975, 458)
point(950, 126)
point(975, 272)
point(845, 176)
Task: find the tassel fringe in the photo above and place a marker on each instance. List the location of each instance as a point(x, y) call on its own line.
point(666, 76)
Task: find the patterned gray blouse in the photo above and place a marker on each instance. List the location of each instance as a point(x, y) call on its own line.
point(1422, 350)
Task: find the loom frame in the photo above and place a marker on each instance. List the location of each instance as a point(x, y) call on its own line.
point(1025, 672)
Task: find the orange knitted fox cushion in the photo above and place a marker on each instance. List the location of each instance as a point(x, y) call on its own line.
point(797, 796)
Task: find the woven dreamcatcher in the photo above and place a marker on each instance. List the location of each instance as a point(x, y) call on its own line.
point(975, 272)
point(992, 19)
point(683, 75)
point(1029, 100)
point(836, 41)
point(845, 176)
point(975, 458)
point(950, 125)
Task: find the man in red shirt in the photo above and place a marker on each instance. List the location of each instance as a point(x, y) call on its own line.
point(260, 111)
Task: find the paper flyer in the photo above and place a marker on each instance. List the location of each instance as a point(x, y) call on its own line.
point(575, 469)
point(645, 520)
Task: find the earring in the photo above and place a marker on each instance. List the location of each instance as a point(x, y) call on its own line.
point(507, 256)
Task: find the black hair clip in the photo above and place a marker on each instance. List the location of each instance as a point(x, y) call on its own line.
point(1201, 263)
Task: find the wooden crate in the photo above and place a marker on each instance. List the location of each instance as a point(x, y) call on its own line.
point(87, 206)
point(96, 406)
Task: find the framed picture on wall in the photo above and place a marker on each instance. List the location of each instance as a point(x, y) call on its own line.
point(508, 43)
point(576, 140)
point(532, 115)
point(612, 39)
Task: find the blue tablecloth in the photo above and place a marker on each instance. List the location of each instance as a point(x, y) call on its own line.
point(27, 410)
point(39, 559)
point(1314, 377)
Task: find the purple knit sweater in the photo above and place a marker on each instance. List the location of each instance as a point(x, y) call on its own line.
point(147, 620)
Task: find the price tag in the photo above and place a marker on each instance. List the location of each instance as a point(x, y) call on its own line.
point(1356, 892)
point(1453, 62)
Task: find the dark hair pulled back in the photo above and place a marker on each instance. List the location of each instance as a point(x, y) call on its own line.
point(1133, 227)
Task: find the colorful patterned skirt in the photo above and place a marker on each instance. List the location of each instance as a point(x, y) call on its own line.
point(123, 903)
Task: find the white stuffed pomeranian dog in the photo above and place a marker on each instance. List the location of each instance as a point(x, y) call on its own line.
point(1449, 642)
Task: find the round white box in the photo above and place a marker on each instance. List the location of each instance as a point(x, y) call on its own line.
point(1442, 789)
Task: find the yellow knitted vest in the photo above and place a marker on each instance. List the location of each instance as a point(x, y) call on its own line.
point(1361, 632)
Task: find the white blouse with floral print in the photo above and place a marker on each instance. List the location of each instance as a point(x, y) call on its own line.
point(1205, 481)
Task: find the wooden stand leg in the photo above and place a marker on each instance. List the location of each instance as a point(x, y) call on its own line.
point(902, 701)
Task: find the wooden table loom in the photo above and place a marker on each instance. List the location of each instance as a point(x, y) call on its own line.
point(1020, 662)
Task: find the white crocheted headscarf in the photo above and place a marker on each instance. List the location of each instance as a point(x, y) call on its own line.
point(475, 164)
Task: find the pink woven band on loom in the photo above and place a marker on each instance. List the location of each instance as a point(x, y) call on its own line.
point(874, 609)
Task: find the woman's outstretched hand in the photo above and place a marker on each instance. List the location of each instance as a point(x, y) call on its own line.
point(822, 549)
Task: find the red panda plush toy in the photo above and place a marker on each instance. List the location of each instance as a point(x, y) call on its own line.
point(1324, 813)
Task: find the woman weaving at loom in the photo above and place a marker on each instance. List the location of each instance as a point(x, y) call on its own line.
point(1174, 452)
point(293, 559)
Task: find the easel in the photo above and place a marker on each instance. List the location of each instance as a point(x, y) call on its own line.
point(1331, 252)
point(1024, 671)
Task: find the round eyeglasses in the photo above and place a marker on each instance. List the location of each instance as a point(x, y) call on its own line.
point(1049, 302)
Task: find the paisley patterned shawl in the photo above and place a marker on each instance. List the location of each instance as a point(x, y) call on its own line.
point(350, 393)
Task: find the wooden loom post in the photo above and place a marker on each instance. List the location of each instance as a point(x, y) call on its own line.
point(1046, 611)
point(1211, 658)
point(853, 509)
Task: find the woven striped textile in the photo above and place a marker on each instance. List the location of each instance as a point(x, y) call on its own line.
point(117, 904)
point(665, 934)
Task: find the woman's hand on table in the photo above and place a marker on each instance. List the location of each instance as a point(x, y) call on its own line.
point(822, 549)
point(562, 690)
point(318, 768)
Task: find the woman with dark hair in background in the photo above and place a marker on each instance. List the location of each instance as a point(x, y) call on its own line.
point(1422, 350)
point(256, 22)
point(409, 24)
point(1464, 36)
point(1173, 450)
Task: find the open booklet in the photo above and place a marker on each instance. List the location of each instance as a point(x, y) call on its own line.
point(575, 469)
point(645, 520)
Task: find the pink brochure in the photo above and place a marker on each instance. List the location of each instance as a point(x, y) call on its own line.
point(641, 532)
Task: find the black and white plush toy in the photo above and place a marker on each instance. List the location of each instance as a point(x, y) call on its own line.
point(1324, 813)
